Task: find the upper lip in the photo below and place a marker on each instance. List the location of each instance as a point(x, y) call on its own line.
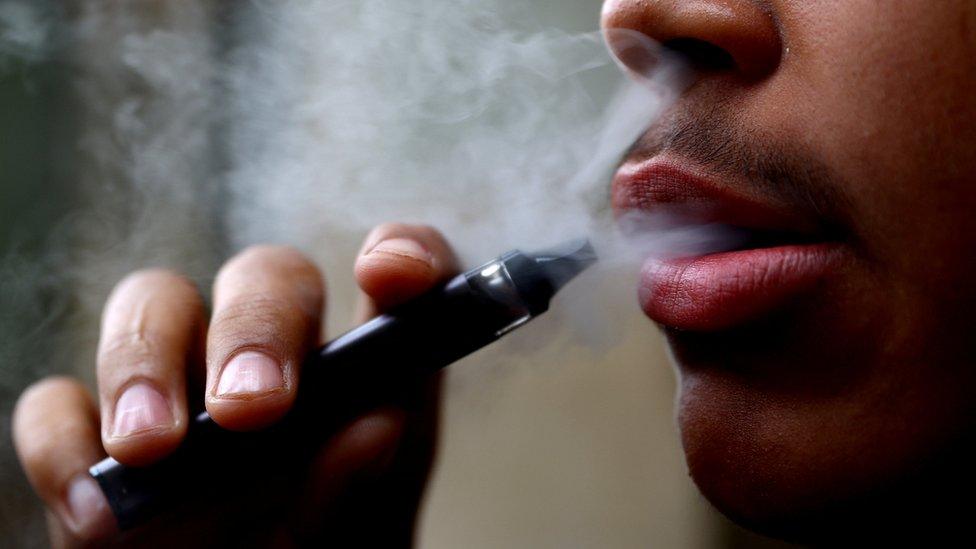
point(666, 182)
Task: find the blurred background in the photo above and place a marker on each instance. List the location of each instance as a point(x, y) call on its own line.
point(151, 133)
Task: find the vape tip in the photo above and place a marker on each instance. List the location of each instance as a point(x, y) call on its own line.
point(564, 262)
point(538, 276)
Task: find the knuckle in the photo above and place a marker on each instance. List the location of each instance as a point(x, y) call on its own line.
point(36, 437)
point(152, 313)
point(260, 271)
point(131, 346)
point(436, 241)
point(426, 234)
point(386, 231)
point(258, 309)
point(41, 393)
point(266, 265)
point(254, 321)
point(147, 280)
point(146, 293)
point(45, 444)
point(429, 232)
point(267, 254)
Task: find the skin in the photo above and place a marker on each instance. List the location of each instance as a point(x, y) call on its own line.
point(848, 411)
point(156, 332)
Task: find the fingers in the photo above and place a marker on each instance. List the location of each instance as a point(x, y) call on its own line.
point(267, 316)
point(367, 445)
point(398, 262)
point(373, 472)
point(361, 452)
point(55, 432)
point(152, 327)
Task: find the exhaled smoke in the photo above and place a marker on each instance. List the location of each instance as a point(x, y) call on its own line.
point(442, 112)
point(452, 113)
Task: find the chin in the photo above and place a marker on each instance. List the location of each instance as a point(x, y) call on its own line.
point(812, 458)
point(745, 458)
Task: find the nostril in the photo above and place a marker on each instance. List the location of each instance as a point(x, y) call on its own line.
point(703, 56)
point(719, 37)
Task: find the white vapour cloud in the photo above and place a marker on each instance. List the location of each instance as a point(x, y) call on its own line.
point(441, 112)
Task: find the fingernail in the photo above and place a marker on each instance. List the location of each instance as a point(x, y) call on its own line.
point(405, 247)
point(250, 372)
point(90, 516)
point(141, 408)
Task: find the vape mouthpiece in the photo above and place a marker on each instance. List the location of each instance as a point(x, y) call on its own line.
point(538, 276)
point(563, 263)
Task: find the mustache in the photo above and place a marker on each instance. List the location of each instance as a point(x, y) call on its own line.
point(784, 171)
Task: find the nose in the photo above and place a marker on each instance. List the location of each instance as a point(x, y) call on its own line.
point(715, 35)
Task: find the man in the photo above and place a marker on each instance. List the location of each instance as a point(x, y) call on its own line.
point(827, 374)
point(826, 370)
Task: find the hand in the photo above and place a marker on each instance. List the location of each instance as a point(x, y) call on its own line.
point(156, 348)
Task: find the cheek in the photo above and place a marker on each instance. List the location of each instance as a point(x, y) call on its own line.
point(884, 91)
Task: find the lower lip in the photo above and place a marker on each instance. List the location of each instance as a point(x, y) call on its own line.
point(721, 291)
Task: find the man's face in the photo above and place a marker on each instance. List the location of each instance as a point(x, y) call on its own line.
point(829, 370)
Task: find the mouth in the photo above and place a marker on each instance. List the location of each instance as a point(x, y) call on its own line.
point(777, 252)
